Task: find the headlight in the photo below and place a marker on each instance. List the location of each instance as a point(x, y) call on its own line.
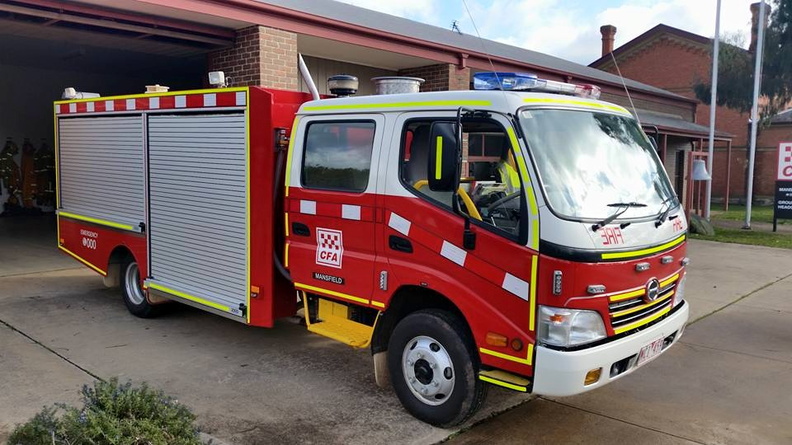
point(569, 327)
point(679, 292)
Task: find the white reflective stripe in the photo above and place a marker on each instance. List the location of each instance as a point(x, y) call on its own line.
point(453, 253)
point(109, 105)
point(240, 98)
point(57, 109)
point(130, 104)
point(90, 107)
point(153, 103)
point(72, 108)
point(180, 102)
point(350, 212)
point(308, 207)
point(516, 286)
point(399, 224)
point(210, 100)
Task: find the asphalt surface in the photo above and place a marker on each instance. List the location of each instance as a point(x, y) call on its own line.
point(728, 380)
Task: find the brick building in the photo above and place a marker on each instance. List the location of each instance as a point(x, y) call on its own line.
point(119, 47)
point(676, 60)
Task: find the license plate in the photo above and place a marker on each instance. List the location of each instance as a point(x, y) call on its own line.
point(650, 351)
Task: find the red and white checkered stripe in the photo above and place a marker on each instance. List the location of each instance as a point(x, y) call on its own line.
point(333, 210)
point(451, 252)
point(145, 103)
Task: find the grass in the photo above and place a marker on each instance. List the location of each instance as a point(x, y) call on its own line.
point(755, 238)
point(737, 213)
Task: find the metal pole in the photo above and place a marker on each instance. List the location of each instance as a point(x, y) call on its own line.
point(713, 106)
point(307, 77)
point(755, 114)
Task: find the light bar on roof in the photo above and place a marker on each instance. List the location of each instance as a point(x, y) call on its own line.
point(529, 82)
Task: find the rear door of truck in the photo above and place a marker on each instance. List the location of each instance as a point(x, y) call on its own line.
point(331, 205)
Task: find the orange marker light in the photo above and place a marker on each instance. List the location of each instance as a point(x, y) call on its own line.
point(592, 376)
point(494, 339)
point(557, 318)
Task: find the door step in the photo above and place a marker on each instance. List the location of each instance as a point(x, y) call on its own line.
point(333, 322)
point(505, 379)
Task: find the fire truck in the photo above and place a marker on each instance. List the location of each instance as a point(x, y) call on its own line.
point(523, 234)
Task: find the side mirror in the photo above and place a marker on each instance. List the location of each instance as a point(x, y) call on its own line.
point(444, 158)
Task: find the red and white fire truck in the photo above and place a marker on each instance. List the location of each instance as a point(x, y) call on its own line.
point(516, 237)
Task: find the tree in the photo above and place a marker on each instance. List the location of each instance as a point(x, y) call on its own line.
point(736, 67)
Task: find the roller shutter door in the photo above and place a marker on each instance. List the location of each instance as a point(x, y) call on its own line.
point(100, 169)
point(198, 206)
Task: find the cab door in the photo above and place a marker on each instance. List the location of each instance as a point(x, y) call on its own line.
point(330, 206)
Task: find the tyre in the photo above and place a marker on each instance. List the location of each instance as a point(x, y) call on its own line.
point(434, 368)
point(134, 297)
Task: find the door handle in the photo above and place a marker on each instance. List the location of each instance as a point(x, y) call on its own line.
point(400, 244)
point(300, 229)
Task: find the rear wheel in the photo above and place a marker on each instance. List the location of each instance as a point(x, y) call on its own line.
point(134, 297)
point(433, 368)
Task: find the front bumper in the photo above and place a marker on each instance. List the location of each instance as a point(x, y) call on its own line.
point(561, 373)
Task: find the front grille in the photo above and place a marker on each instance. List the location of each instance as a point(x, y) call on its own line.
point(629, 311)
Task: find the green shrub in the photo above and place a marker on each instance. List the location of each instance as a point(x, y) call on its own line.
point(112, 414)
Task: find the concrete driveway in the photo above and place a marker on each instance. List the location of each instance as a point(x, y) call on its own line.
point(60, 328)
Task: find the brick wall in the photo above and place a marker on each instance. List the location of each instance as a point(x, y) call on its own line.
point(260, 56)
point(440, 77)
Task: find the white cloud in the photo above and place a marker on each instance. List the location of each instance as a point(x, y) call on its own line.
point(420, 10)
point(570, 28)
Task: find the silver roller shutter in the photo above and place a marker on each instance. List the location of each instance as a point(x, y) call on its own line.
point(198, 206)
point(100, 168)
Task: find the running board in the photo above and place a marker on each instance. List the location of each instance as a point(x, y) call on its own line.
point(505, 379)
point(333, 322)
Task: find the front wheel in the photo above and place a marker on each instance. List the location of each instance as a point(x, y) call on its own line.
point(134, 298)
point(433, 368)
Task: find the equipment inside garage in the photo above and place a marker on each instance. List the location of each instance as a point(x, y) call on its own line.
point(45, 48)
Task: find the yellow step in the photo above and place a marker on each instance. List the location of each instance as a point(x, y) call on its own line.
point(335, 324)
point(346, 331)
point(505, 379)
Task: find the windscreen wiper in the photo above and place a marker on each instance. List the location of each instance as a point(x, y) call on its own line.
point(622, 207)
point(664, 214)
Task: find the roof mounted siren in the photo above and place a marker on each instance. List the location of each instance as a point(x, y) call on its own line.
point(342, 85)
point(530, 82)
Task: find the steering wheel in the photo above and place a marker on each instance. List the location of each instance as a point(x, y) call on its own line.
point(469, 206)
point(501, 202)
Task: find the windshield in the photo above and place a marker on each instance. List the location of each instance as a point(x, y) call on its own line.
point(588, 160)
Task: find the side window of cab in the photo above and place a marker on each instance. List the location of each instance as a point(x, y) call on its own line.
point(490, 192)
point(338, 155)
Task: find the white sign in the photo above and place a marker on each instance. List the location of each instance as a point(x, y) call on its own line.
point(329, 247)
point(785, 161)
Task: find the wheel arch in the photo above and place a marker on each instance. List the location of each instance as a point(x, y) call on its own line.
point(117, 257)
point(406, 300)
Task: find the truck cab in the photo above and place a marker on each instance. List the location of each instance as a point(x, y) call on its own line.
point(523, 239)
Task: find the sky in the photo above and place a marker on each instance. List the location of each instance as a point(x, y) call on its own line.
point(569, 29)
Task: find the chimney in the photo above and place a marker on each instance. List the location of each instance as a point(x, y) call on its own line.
point(608, 37)
point(755, 24)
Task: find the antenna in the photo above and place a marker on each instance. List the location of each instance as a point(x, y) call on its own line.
point(632, 105)
point(483, 46)
point(455, 27)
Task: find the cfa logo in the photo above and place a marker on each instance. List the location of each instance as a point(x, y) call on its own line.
point(329, 247)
